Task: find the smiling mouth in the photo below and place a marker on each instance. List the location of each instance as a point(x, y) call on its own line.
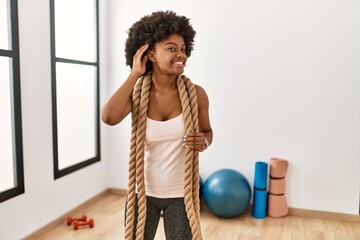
point(179, 63)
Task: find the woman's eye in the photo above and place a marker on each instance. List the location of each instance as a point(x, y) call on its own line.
point(183, 50)
point(172, 49)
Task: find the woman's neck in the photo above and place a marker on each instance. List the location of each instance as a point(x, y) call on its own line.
point(163, 82)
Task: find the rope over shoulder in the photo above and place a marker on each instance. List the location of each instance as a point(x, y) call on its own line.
point(140, 102)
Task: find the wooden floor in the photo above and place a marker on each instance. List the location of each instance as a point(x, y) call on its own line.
point(108, 215)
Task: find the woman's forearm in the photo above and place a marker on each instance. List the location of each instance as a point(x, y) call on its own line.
point(119, 104)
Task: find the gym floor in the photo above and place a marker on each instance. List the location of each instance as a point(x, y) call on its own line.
point(108, 215)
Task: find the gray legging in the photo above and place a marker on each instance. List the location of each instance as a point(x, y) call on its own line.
point(176, 223)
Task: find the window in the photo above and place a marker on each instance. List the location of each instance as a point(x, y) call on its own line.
point(11, 152)
point(75, 84)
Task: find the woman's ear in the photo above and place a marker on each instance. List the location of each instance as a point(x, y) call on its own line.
point(151, 54)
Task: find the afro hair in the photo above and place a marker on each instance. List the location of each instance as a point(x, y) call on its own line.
point(156, 27)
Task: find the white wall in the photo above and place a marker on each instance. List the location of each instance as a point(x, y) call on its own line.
point(283, 80)
point(45, 199)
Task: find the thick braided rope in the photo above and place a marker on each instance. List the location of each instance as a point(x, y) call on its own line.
point(188, 99)
point(194, 113)
point(136, 163)
point(144, 103)
point(130, 208)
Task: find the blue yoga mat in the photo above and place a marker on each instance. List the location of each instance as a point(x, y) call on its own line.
point(261, 175)
point(259, 203)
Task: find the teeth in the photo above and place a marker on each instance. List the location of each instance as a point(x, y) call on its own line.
point(178, 63)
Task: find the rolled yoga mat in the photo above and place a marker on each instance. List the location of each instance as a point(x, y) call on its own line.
point(277, 203)
point(261, 175)
point(259, 203)
point(260, 190)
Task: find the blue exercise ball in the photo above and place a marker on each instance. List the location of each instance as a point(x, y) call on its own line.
point(227, 193)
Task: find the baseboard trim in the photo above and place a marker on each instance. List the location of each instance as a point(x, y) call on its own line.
point(324, 215)
point(59, 221)
point(118, 191)
point(297, 212)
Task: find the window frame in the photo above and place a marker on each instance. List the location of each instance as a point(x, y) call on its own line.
point(19, 187)
point(54, 59)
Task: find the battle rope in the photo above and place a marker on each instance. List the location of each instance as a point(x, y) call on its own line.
point(189, 105)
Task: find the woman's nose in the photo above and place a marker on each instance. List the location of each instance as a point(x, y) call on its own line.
point(180, 54)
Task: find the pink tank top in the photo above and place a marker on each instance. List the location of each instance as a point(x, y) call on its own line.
point(164, 158)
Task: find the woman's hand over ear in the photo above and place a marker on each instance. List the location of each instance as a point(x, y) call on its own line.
point(139, 64)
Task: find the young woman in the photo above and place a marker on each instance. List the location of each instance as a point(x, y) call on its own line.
point(170, 125)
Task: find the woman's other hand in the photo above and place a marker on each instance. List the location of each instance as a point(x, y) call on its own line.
point(195, 141)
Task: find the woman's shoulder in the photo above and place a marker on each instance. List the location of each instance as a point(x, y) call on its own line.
point(201, 94)
point(200, 90)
